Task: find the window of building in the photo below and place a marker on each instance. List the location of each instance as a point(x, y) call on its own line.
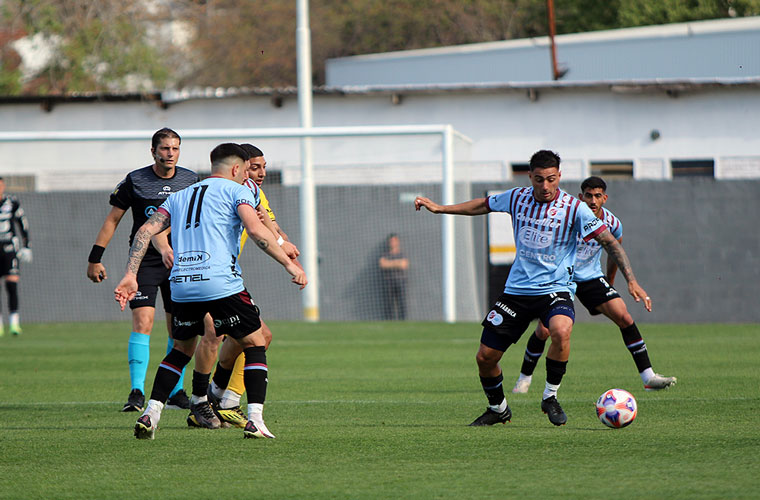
point(692, 168)
point(519, 169)
point(612, 169)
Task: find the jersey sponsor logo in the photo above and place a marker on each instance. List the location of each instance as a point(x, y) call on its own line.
point(231, 321)
point(556, 212)
point(177, 322)
point(586, 250)
point(592, 224)
point(149, 211)
point(533, 238)
point(192, 258)
point(536, 256)
point(541, 222)
point(495, 318)
point(506, 309)
point(187, 278)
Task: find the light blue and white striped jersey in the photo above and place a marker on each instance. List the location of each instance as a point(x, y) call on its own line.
point(205, 236)
point(545, 239)
point(588, 263)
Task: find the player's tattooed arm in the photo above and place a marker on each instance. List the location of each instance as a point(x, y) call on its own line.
point(615, 250)
point(157, 223)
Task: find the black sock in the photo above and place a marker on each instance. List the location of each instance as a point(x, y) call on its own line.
point(636, 347)
point(555, 370)
point(222, 376)
point(533, 352)
point(168, 374)
point(255, 374)
point(200, 383)
point(12, 288)
point(493, 388)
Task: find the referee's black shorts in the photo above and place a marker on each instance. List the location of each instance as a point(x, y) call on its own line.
point(152, 277)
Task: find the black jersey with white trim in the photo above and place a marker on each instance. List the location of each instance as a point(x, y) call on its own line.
point(143, 191)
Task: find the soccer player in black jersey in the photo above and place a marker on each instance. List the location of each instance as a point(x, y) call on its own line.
point(143, 190)
point(14, 247)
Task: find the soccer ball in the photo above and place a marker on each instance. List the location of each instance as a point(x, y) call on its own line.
point(616, 408)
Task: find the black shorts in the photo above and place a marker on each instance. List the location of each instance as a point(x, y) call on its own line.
point(595, 292)
point(512, 314)
point(8, 260)
point(235, 316)
point(152, 276)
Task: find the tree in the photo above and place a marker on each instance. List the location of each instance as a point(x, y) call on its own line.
point(97, 46)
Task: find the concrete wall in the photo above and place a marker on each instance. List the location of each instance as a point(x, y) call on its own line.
point(692, 242)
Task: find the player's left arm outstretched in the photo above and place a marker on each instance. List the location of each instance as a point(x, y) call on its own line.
point(615, 250)
point(127, 287)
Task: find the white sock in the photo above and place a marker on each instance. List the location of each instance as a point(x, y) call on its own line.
point(194, 400)
point(499, 408)
point(255, 411)
point(230, 399)
point(154, 409)
point(646, 374)
point(13, 319)
point(524, 377)
point(216, 390)
point(550, 390)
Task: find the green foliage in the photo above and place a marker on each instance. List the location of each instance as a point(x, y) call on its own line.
point(379, 410)
point(97, 46)
point(10, 81)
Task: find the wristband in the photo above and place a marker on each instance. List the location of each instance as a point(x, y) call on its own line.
point(280, 241)
point(95, 254)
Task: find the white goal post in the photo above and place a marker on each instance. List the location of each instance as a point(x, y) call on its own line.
point(308, 243)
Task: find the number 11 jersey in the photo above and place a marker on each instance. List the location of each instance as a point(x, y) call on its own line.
point(205, 232)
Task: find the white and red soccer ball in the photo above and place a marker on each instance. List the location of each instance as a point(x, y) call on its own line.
point(616, 408)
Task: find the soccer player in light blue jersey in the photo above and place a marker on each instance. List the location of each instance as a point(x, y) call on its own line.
point(206, 221)
point(547, 223)
point(596, 293)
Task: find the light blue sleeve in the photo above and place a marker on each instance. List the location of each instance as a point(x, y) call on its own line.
point(588, 223)
point(500, 202)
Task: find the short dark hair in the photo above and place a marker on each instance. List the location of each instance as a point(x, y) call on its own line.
point(252, 150)
point(227, 150)
point(163, 134)
point(594, 182)
point(544, 159)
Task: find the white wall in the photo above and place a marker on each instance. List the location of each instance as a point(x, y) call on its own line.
point(584, 124)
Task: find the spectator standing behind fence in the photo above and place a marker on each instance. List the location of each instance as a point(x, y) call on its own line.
point(394, 268)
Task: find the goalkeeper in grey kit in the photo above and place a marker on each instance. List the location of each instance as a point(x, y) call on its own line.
point(14, 248)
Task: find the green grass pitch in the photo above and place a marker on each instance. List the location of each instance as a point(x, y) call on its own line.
point(379, 410)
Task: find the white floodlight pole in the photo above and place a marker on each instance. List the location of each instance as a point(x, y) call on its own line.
point(448, 233)
point(308, 194)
